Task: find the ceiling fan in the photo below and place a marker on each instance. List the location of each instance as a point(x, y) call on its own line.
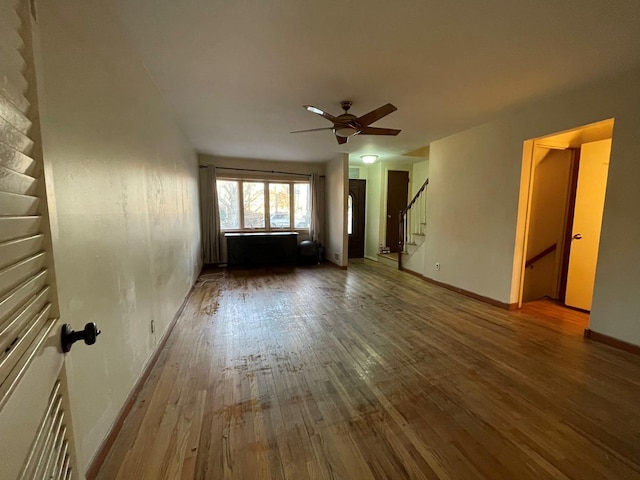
point(347, 125)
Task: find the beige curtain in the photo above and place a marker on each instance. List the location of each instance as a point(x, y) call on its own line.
point(210, 215)
point(317, 208)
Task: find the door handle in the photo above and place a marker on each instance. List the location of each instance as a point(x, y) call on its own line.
point(577, 236)
point(68, 337)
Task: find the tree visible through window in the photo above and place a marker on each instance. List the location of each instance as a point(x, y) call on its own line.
point(253, 202)
point(279, 205)
point(229, 204)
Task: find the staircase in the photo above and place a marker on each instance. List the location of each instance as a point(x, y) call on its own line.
point(413, 223)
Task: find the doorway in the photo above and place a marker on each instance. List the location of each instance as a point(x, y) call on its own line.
point(568, 175)
point(397, 196)
point(355, 217)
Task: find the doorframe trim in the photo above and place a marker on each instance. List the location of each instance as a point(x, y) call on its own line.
point(105, 447)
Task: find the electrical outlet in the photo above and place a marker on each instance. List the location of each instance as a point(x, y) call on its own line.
point(336, 256)
point(437, 265)
point(153, 326)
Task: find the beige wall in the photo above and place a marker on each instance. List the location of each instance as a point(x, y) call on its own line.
point(419, 173)
point(471, 209)
point(122, 182)
point(337, 191)
point(303, 168)
point(475, 230)
point(615, 299)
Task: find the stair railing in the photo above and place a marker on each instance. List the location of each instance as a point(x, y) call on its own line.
point(413, 221)
point(540, 256)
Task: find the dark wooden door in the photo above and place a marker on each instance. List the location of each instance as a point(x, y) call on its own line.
point(397, 191)
point(357, 191)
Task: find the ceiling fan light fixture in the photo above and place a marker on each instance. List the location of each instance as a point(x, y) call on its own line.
point(369, 158)
point(346, 131)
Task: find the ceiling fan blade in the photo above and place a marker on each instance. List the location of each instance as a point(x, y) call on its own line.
point(322, 113)
point(313, 130)
point(378, 131)
point(341, 140)
point(368, 118)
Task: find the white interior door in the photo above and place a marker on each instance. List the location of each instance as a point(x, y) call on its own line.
point(587, 221)
point(35, 440)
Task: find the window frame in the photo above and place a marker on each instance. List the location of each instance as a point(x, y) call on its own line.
point(267, 205)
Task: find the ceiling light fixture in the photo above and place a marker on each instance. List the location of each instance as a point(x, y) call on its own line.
point(346, 131)
point(369, 158)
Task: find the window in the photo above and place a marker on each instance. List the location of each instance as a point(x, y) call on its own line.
point(228, 202)
point(264, 205)
point(279, 205)
point(253, 202)
point(302, 205)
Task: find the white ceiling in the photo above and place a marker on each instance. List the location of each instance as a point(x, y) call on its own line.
point(237, 72)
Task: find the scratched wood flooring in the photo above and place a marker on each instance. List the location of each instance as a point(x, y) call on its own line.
point(370, 373)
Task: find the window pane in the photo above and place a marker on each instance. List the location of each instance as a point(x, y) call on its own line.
point(229, 204)
point(302, 205)
point(279, 205)
point(253, 204)
point(350, 215)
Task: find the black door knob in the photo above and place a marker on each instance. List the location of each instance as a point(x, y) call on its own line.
point(68, 337)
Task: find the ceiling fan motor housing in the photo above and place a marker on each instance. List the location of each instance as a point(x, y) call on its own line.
point(345, 125)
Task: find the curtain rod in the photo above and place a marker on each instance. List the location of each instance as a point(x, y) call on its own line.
point(256, 170)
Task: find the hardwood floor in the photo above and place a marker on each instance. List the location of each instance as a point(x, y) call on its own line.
point(552, 311)
point(370, 373)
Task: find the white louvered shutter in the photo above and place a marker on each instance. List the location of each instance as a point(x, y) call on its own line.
point(34, 438)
